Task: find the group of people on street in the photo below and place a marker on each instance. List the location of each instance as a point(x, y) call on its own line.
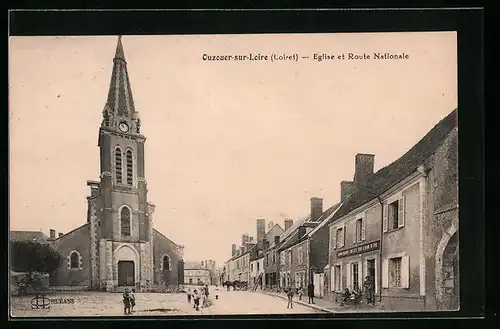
point(200, 294)
point(354, 296)
point(128, 301)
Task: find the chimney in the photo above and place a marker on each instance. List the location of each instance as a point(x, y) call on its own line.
point(261, 231)
point(233, 250)
point(363, 168)
point(52, 233)
point(244, 239)
point(316, 208)
point(346, 189)
point(276, 239)
point(288, 223)
point(61, 234)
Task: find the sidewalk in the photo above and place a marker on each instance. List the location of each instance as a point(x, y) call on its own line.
point(324, 305)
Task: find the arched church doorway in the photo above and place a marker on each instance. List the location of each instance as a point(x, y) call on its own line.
point(126, 273)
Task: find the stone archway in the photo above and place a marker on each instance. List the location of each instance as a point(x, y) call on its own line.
point(447, 269)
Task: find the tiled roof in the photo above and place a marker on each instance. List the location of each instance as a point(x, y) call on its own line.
point(403, 167)
point(193, 266)
point(28, 236)
point(325, 218)
point(296, 224)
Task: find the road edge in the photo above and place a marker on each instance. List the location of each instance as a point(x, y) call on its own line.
point(316, 307)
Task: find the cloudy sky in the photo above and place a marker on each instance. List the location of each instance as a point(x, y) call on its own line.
point(227, 142)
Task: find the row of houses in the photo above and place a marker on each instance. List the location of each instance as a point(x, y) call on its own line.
point(398, 226)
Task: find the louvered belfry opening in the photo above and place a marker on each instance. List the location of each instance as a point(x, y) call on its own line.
point(118, 165)
point(129, 168)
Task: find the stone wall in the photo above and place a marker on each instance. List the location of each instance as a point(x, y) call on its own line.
point(79, 240)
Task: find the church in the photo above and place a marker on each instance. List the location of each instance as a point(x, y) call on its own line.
point(118, 246)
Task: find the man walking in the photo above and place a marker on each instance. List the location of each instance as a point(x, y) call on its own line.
point(310, 293)
point(289, 294)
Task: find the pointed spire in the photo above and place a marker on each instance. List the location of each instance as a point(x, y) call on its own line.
point(119, 49)
point(120, 101)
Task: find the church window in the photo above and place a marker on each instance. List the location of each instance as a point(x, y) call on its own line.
point(166, 263)
point(118, 165)
point(125, 221)
point(129, 168)
point(75, 261)
point(106, 118)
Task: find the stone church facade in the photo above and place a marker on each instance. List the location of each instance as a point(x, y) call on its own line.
point(118, 246)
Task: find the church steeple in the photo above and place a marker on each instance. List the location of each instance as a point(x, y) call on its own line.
point(120, 103)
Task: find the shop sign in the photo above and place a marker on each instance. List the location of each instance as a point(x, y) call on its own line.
point(359, 249)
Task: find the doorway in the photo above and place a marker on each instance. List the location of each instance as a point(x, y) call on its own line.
point(126, 273)
point(370, 268)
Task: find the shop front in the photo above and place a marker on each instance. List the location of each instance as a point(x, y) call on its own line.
point(353, 265)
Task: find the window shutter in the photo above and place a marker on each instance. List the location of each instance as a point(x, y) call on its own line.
point(334, 237)
point(355, 232)
point(68, 262)
point(80, 262)
point(360, 275)
point(385, 273)
point(332, 278)
point(343, 235)
point(385, 210)
point(405, 272)
point(363, 229)
point(401, 215)
point(348, 276)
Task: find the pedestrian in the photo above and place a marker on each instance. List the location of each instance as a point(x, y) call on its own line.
point(126, 302)
point(289, 294)
point(368, 288)
point(189, 295)
point(206, 291)
point(310, 292)
point(132, 299)
point(299, 292)
point(216, 292)
point(346, 296)
point(196, 297)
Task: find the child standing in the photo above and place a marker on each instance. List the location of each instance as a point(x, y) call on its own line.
point(126, 302)
point(216, 291)
point(197, 296)
point(189, 295)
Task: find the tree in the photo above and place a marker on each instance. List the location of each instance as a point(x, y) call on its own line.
point(27, 256)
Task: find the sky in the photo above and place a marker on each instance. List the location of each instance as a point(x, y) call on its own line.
point(227, 142)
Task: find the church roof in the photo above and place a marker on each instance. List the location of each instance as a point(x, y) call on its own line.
point(120, 101)
point(162, 235)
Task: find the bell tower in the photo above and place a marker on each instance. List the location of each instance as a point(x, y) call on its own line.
point(119, 213)
point(123, 184)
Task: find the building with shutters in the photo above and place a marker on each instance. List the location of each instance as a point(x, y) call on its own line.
point(400, 226)
point(118, 247)
point(306, 250)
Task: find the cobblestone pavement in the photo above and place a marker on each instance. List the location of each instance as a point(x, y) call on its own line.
point(156, 304)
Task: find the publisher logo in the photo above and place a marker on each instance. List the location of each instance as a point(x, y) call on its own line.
point(40, 302)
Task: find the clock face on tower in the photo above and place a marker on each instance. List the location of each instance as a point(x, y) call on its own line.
point(123, 126)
